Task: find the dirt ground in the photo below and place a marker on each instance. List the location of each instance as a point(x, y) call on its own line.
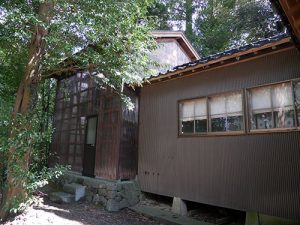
point(81, 213)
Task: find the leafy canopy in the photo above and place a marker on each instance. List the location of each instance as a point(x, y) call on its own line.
point(215, 25)
point(116, 31)
point(109, 37)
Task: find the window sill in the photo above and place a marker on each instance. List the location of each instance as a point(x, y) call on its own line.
point(273, 130)
point(213, 134)
point(241, 133)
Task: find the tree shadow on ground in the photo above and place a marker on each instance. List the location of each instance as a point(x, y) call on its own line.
point(89, 214)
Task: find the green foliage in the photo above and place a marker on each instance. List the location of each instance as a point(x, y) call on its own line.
point(30, 134)
point(253, 20)
point(215, 25)
point(159, 12)
point(107, 37)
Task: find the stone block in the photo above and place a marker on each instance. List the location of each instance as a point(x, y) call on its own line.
point(61, 197)
point(112, 205)
point(102, 200)
point(76, 189)
point(89, 198)
point(179, 206)
point(96, 199)
point(111, 194)
point(118, 198)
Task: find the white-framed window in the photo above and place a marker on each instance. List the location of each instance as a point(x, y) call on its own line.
point(226, 112)
point(272, 106)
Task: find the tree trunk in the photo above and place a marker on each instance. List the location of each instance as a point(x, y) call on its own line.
point(15, 187)
point(189, 19)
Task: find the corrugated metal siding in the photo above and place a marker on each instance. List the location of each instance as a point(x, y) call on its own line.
point(258, 172)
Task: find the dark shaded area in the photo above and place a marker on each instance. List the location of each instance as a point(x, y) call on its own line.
point(203, 212)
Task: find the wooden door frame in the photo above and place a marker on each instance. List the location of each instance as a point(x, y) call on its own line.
point(85, 139)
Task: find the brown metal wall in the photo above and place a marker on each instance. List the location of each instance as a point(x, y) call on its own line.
point(258, 172)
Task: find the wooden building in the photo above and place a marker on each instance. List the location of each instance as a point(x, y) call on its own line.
point(94, 132)
point(222, 130)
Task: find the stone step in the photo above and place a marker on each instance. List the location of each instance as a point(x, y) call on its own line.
point(61, 197)
point(76, 189)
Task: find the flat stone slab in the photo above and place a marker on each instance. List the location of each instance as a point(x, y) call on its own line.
point(61, 197)
point(167, 217)
point(76, 189)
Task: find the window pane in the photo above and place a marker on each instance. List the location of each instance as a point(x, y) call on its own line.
point(297, 100)
point(218, 124)
point(217, 106)
point(200, 126)
point(234, 103)
point(282, 95)
point(284, 118)
point(91, 131)
point(234, 123)
point(187, 127)
point(261, 99)
point(262, 121)
point(200, 108)
point(188, 110)
point(226, 112)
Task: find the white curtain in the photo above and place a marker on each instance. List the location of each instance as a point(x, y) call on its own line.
point(188, 111)
point(200, 109)
point(282, 95)
point(261, 99)
point(217, 106)
point(234, 103)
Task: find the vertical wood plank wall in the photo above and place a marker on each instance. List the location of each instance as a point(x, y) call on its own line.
point(258, 172)
point(129, 138)
point(116, 148)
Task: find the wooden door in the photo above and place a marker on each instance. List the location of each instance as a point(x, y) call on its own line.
point(90, 147)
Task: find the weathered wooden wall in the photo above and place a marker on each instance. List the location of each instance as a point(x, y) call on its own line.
point(77, 98)
point(251, 172)
point(129, 138)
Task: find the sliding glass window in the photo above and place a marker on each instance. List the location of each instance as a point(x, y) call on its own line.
point(226, 112)
point(272, 107)
point(193, 116)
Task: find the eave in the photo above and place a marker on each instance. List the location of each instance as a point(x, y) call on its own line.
point(217, 61)
point(289, 11)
